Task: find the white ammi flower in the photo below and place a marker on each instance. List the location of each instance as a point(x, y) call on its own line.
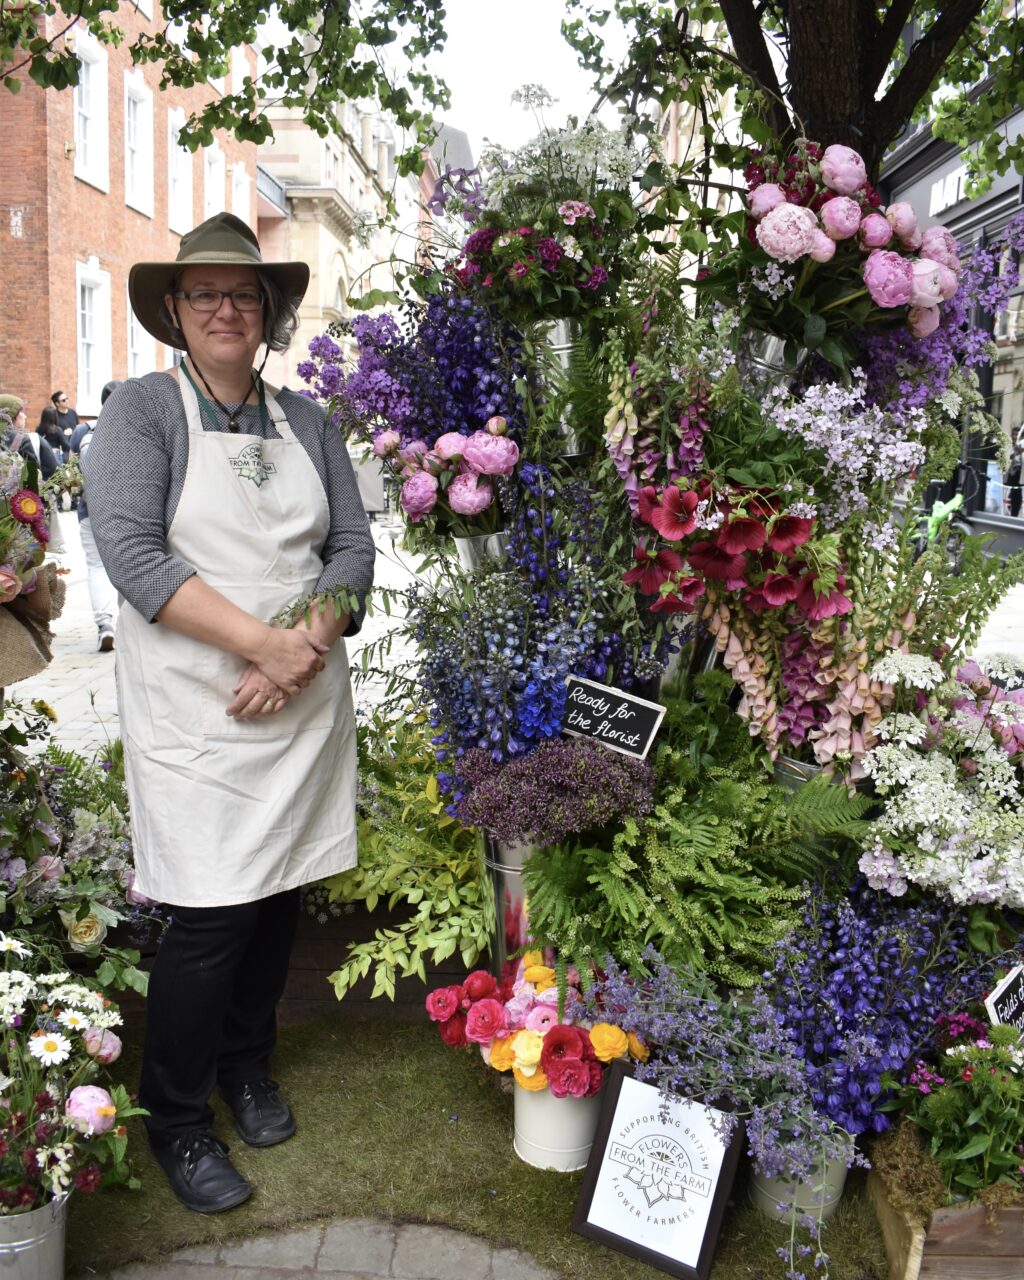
point(913, 669)
point(13, 945)
point(50, 1047)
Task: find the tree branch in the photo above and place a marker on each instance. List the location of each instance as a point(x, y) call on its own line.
point(879, 54)
point(753, 55)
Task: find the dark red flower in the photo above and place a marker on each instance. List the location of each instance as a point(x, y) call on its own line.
point(674, 519)
point(44, 1101)
point(443, 1004)
point(560, 1042)
point(568, 1077)
point(25, 1196)
point(647, 499)
point(453, 1031)
point(741, 534)
point(480, 984)
point(754, 599)
point(684, 595)
point(827, 604)
point(87, 1180)
point(780, 588)
point(790, 532)
point(596, 1078)
point(652, 568)
point(715, 563)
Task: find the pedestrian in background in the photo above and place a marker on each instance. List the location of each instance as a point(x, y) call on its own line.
point(30, 444)
point(66, 419)
point(50, 432)
point(102, 595)
point(1012, 475)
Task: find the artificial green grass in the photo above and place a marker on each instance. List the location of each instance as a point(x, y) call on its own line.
point(394, 1125)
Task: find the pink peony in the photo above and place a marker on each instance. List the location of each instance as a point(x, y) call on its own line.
point(451, 445)
point(874, 232)
point(49, 867)
point(10, 584)
point(948, 283)
point(496, 426)
point(888, 278)
point(925, 289)
point(491, 455)
point(842, 170)
point(419, 494)
point(386, 443)
point(765, 198)
point(913, 243)
point(939, 245)
point(485, 1020)
point(787, 232)
point(922, 321)
point(903, 220)
point(90, 1109)
point(445, 1002)
point(822, 249)
point(840, 218)
point(102, 1045)
point(468, 495)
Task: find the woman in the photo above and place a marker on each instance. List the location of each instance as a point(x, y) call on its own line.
point(17, 436)
point(216, 503)
point(65, 420)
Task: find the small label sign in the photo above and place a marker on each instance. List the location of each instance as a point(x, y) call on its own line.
point(620, 721)
point(1006, 1003)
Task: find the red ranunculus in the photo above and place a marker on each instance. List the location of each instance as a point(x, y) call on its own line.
point(480, 984)
point(790, 532)
point(674, 519)
point(779, 588)
point(442, 1004)
point(713, 562)
point(741, 534)
point(560, 1042)
point(652, 568)
point(453, 1032)
point(588, 1046)
point(485, 1020)
point(568, 1078)
point(596, 1078)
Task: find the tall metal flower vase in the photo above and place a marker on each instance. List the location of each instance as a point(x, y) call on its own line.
point(480, 549)
point(32, 1244)
point(506, 900)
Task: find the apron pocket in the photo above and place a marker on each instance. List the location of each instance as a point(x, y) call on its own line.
point(313, 708)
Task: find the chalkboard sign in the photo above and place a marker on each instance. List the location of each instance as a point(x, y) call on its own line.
point(1006, 1003)
point(620, 721)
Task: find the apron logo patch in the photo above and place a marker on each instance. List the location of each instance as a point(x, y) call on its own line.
point(249, 465)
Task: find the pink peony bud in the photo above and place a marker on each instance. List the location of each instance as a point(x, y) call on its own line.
point(468, 495)
point(925, 290)
point(765, 198)
point(888, 278)
point(491, 455)
point(948, 283)
point(496, 426)
point(102, 1045)
point(90, 1109)
point(434, 463)
point(787, 232)
point(823, 249)
point(939, 245)
point(419, 494)
point(451, 445)
point(921, 321)
point(903, 220)
point(843, 170)
point(840, 217)
point(875, 232)
point(913, 243)
point(386, 443)
point(412, 456)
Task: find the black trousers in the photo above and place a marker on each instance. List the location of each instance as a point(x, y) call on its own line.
point(211, 1010)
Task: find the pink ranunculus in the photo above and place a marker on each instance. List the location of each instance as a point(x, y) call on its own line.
point(903, 220)
point(541, 1018)
point(90, 1109)
point(468, 495)
point(451, 445)
point(518, 1009)
point(444, 1002)
point(925, 289)
point(948, 283)
point(48, 867)
point(843, 170)
point(419, 495)
point(496, 426)
point(10, 584)
point(888, 277)
point(840, 218)
point(765, 198)
point(874, 232)
point(385, 444)
point(485, 1020)
point(939, 245)
point(101, 1044)
point(491, 455)
point(787, 232)
point(923, 321)
point(822, 249)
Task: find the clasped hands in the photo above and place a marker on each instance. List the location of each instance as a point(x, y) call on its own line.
point(287, 662)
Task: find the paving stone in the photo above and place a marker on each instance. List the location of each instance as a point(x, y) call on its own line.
point(436, 1253)
point(287, 1250)
point(171, 1270)
point(196, 1253)
point(510, 1264)
point(357, 1245)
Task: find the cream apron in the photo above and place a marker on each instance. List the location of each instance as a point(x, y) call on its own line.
point(226, 811)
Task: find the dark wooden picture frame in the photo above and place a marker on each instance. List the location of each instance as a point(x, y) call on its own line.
point(598, 1166)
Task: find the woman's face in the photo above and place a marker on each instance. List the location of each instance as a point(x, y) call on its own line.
point(20, 418)
point(226, 337)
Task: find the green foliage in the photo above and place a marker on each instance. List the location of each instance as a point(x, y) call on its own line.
point(410, 852)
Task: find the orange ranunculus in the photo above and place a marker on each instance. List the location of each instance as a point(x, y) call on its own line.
point(502, 1056)
point(637, 1048)
point(609, 1041)
point(532, 1084)
point(540, 975)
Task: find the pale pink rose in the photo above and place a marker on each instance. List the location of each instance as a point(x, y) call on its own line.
point(419, 494)
point(90, 1109)
point(787, 232)
point(903, 220)
point(875, 232)
point(542, 1018)
point(843, 170)
point(49, 867)
point(948, 283)
point(468, 495)
point(840, 218)
point(496, 426)
point(451, 445)
point(386, 443)
point(921, 321)
point(939, 245)
point(822, 249)
point(925, 290)
point(888, 278)
point(765, 198)
point(101, 1044)
point(491, 455)
point(10, 584)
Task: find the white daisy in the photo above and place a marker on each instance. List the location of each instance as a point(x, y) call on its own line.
point(12, 944)
point(50, 1047)
point(74, 1019)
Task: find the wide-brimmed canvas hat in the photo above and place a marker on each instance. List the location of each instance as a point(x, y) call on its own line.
point(222, 240)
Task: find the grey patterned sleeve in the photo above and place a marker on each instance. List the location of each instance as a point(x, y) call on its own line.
point(129, 476)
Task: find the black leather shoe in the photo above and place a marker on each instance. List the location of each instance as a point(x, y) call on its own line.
point(200, 1173)
point(261, 1114)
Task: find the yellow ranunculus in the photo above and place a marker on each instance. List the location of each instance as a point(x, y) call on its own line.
point(502, 1054)
point(637, 1048)
point(526, 1047)
point(532, 1084)
point(609, 1041)
point(532, 958)
point(540, 975)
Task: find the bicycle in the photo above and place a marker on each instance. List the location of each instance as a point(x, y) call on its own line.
point(947, 519)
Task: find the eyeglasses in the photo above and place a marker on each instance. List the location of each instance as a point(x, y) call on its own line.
point(211, 299)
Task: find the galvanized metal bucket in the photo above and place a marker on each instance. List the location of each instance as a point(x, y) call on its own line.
point(476, 551)
point(32, 1244)
point(503, 875)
